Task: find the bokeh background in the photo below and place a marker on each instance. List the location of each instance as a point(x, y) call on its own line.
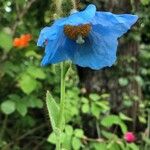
point(102, 106)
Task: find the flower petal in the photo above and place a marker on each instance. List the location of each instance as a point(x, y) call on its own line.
point(98, 51)
point(119, 24)
point(48, 33)
point(82, 17)
point(55, 50)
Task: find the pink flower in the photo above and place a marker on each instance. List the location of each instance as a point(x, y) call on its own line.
point(130, 137)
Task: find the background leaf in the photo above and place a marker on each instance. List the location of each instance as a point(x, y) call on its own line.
point(8, 107)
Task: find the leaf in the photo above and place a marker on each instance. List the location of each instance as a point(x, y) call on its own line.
point(34, 102)
point(84, 100)
point(94, 97)
point(5, 41)
point(133, 146)
point(104, 105)
point(20, 2)
point(21, 107)
point(124, 117)
point(95, 110)
point(8, 107)
point(53, 110)
point(68, 137)
point(27, 83)
point(20, 104)
point(79, 133)
point(67, 69)
point(123, 81)
point(53, 138)
point(85, 108)
point(113, 146)
point(139, 80)
point(109, 135)
point(99, 146)
point(76, 143)
point(32, 53)
point(36, 72)
point(110, 120)
point(145, 2)
point(68, 130)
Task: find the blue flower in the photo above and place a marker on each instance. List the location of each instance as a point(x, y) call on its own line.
point(87, 38)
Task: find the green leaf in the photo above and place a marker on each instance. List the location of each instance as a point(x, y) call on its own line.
point(67, 70)
point(8, 107)
point(85, 108)
point(27, 83)
point(113, 146)
point(76, 143)
point(99, 146)
point(94, 97)
point(104, 105)
point(53, 138)
point(133, 146)
point(79, 133)
point(109, 135)
point(53, 110)
point(32, 53)
point(20, 2)
point(110, 120)
point(21, 107)
point(124, 117)
point(36, 72)
point(84, 100)
point(68, 137)
point(34, 102)
point(145, 2)
point(68, 130)
point(5, 41)
point(95, 109)
point(123, 81)
point(139, 80)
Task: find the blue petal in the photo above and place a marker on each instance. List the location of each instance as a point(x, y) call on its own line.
point(48, 33)
point(77, 18)
point(55, 50)
point(97, 52)
point(119, 24)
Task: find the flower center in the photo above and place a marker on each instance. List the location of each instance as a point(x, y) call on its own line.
point(77, 33)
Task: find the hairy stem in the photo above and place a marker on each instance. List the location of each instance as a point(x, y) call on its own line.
point(4, 126)
point(74, 4)
point(58, 7)
point(62, 106)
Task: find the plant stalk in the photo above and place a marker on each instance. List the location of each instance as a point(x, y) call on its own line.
point(74, 4)
point(62, 107)
point(58, 7)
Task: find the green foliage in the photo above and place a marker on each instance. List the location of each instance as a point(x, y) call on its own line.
point(90, 122)
point(145, 2)
point(8, 107)
point(6, 41)
point(53, 110)
point(110, 120)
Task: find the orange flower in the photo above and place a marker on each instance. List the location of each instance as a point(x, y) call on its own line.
point(16, 42)
point(28, 37)
point(23, 41)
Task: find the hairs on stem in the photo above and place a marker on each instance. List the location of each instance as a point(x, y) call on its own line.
point(74, 4)
point(58, 4)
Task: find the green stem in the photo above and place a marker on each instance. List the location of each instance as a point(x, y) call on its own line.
point(74, 4)
point(4, 126)
point(58, 7)
point(148, 124)
point(62, 106)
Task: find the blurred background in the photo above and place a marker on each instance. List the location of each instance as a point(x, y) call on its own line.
point(102, 106)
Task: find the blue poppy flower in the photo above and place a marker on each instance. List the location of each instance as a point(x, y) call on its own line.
point(87, 38)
